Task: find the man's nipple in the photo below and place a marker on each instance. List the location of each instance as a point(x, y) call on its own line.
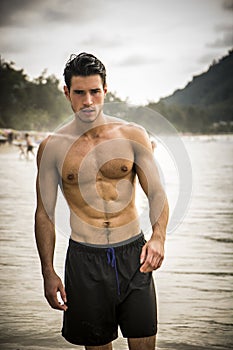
point(70, 177)
point(124, 168)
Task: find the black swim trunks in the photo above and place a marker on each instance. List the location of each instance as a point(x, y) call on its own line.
point(105, 289)
point(29, 148)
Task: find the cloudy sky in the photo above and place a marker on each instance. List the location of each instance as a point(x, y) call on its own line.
point(150, 48)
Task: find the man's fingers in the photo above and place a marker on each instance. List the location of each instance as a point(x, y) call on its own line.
point(63, 294)
point(156, 262)
point(147, 264)
point(53, 299)
point(55, 304)
point(144, 268)
point(64, 299)
point(151, 263)
point(160, 262)
point(55, 292)
point(63, 307)
point(151, 256)
point(143, 254)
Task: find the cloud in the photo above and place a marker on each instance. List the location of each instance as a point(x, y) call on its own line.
point(207, 58)
point(73, 11)
point(13, 11)
point(137, 60)
point(224, 36)
point(26, 12)
point(225, 41)
point(8, 7)
point(102, 42)
point(10, 47)
point(223, 27)
point(228, 5)
point(20, 40)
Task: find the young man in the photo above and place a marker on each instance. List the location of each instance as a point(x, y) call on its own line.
point(108, 274)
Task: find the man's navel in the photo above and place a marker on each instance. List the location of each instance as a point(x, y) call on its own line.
point(106, 224)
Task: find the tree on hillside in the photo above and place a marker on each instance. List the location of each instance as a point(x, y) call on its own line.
point(25, 104)
point(205, 102)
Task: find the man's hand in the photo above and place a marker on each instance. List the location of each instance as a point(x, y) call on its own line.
point(152, 255)
point(53, 285)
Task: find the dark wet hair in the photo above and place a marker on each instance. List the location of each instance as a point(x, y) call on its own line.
point(84, 64)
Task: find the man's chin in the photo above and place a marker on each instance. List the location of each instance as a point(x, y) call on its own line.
point(87, 117)
point(89, 121)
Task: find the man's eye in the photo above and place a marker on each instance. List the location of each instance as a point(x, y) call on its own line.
point(95, 91)
point(78, 92)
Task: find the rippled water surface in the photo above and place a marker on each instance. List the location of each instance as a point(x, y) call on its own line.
point(194, 285)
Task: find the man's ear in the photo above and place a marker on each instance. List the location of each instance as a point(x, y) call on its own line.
point(105, 89)
point(66, 92)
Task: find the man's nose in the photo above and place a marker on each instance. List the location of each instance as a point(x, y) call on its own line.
point(88, 99)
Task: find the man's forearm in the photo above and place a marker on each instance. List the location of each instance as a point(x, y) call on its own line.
point(159, 221)
point(152, 254)
point(45, 240)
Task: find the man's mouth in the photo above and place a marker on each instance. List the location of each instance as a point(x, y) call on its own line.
point(88, 110)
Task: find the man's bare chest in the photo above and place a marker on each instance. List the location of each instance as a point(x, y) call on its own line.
point(104, 160)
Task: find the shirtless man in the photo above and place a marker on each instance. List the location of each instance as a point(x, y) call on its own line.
point(108, 274)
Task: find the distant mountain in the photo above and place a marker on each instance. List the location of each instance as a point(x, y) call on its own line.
point(206, 103)
point(206, 89)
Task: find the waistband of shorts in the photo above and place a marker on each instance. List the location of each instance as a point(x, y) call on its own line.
point(133, 241)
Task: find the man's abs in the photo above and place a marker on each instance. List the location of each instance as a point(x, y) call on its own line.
point(104, 228)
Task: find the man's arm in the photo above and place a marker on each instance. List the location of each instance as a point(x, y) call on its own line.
point(153, 251)
point(46, 188)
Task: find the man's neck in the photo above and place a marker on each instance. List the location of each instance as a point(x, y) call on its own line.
point(93, 129)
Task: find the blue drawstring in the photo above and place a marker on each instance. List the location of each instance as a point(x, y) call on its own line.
point(112, 261)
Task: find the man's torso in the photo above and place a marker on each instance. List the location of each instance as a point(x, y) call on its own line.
point(98, 181)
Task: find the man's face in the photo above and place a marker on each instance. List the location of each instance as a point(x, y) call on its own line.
point(86, 96)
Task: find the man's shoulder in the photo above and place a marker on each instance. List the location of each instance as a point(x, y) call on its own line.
point(59, 136)
point(134, 131)
point(136, 134)
point(125, 126)
point(52, 145)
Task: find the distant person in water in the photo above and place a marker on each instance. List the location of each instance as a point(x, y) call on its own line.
point(21, 151)
point(29, 145)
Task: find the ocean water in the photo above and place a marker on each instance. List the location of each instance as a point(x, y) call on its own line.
point(194, 284)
